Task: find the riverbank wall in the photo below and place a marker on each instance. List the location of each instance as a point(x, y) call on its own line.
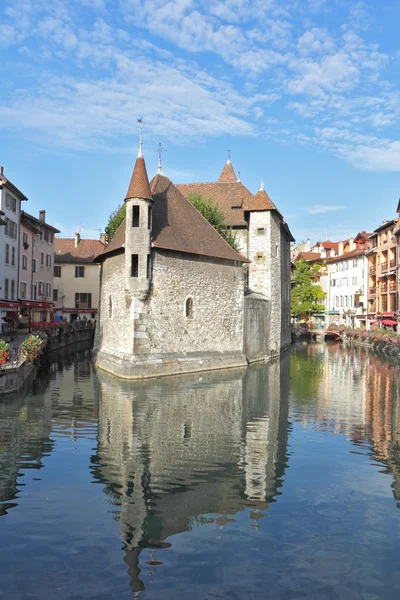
point(20, 374)
point(387, 348)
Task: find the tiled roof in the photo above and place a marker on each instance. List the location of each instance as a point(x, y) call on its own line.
point(26, 218)
point(345, 256)
point(5, 181)
point(177, 225)
point(309, 256)
point(232, 198)
point(139, 184)
point(261, 202)
point(227, 174)
point(85, 252)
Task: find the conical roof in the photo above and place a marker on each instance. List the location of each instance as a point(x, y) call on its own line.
point(139, 185)
point(261, 202)
point(227, 174)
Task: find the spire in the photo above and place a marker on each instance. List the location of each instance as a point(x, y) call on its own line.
point(160, 150)
point(139, 185)
point(227, 173)
point(238, 179)
point(140, 155)
point(261, 186)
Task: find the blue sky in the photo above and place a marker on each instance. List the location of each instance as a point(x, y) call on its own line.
point(305, 94)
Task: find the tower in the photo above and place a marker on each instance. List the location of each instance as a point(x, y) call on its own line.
point(138, 225)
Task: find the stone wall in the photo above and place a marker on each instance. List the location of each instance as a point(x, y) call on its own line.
point(286, 288)
point(257, 315)
point(157, 337)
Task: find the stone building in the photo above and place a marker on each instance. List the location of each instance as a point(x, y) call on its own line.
point(264, 239)
point(36, 266)
point(76, 277)
point(173, 292)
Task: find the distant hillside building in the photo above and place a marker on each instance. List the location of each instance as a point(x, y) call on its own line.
point(76, 277)
point(173, 291)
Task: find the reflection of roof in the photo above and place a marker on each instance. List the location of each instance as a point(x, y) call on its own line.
point(85, 252)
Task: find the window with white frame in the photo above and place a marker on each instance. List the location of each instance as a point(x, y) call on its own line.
point(48, 260)
point(7, 257)
point(6, 288)
point(24, 262)
point(13, 256)
point(22, 290)
point(12, 289)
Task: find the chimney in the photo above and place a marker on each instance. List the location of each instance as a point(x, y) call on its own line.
point(1, 169)
point(42, 216)
point(103, 238)
point(77, 239)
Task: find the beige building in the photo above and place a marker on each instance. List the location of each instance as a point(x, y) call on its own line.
point(76, 278)
point(36, 267)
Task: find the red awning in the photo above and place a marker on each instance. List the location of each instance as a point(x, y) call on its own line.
point(389, 322)
point(6, 304)
point(79, 310)
point(35, 304)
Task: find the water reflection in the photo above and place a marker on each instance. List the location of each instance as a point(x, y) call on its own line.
point(174, 452)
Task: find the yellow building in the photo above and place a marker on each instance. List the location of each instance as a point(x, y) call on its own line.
point(76, 278)
point(382, 296)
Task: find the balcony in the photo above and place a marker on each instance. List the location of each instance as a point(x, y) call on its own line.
point(372, 269)
point(384, 267)
point(392, 263)
point(372, 291)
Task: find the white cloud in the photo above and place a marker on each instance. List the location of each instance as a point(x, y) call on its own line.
point(319, 209)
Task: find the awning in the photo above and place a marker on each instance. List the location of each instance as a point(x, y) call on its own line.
point(361, 317)
point(6, 304)
point(389, 322)
point(36, 304)
point(79, 310)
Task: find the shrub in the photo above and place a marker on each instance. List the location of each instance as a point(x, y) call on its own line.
point(4, 353)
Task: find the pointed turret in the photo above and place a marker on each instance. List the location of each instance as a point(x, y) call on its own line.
point(139, 185)
point(227, 173)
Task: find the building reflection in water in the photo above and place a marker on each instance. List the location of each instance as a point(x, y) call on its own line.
point(177, 452)
point(351, 391)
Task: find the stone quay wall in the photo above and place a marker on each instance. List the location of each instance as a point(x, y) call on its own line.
point(18, 376)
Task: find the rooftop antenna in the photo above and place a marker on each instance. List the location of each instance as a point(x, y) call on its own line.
point(238, 179)
point(262, 185)
point(160, 150)
point(140, 155)
point(229, 156)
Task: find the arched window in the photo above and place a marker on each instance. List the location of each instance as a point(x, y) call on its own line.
point(110, 307)
point(189, 308)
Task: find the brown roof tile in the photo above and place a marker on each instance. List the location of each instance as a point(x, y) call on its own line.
point(85, 252)
point(177, 225)
point(261, 202)
point(139, 184)
point(232, 198)
point(345, 256)
point(309, 256)
point(227, 174)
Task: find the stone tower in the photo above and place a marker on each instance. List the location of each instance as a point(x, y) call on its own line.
point(138, 225)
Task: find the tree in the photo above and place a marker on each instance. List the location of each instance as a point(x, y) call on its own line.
point(212, 212)
point(115, 220)
point(305, 294)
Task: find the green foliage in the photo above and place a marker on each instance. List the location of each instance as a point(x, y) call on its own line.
point(212, 212)
point(305, 294)
point(115, 220)
point(32, 347)
point(4, 352)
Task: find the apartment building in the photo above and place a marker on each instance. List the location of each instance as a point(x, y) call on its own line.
point(36, 266)
point(10, 206)
point(382, 271)
point(76, 278)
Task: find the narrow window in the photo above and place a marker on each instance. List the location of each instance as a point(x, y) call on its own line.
point(135, 265)
point(148, 275)
point(110, 307)
point(57, 271)
point(42, 258)
point(6, 289)
point(55, 295)
point(7, 254)
point(189, 308)
point(149, 217)
point(79, 271)
point(135, 216)
point(13, 256)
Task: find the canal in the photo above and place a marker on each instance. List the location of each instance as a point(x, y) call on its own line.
point(279, 481)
